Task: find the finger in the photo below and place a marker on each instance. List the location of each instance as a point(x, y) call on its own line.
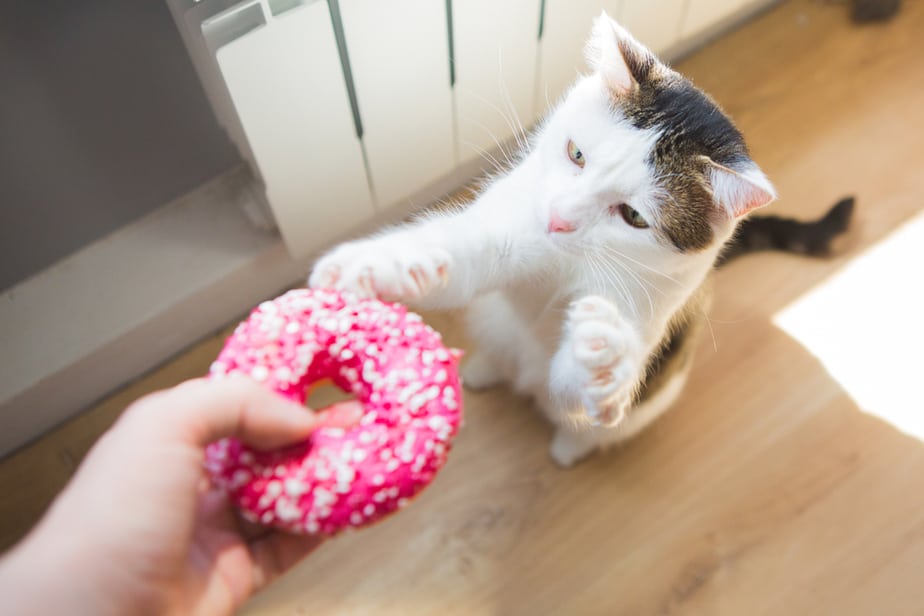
point(202, 411)
point(277, 553)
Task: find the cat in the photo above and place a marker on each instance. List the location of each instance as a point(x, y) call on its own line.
point(586, 267)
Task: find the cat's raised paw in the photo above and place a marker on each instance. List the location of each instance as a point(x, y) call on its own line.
point(603, 346)
point(383, 269)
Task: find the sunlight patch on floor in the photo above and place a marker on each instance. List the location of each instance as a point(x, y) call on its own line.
point(866, 326)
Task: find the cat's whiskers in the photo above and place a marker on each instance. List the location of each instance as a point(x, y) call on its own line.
point(653, 270)
point(641, 285)
point(488, 157)
point(521, 134)
point(640, 281)
point(608, 275)
point(507, 121)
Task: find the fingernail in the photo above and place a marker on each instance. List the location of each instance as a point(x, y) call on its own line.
point(342, 414)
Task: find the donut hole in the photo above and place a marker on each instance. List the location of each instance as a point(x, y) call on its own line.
point(324, 393)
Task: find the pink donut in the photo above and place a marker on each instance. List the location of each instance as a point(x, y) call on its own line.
point(391, 361)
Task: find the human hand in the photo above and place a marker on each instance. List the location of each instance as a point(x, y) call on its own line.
point(141, 530)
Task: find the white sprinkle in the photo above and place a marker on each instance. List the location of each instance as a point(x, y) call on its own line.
point(283, 374)
point(378, 480)
point(393, 492)
point(347, 354)
point(273, 489)
point(345, 474)
point(359, 455)
point(259, 373)
point(286, 511)
point(292, 327)
point(441, 376)
point(385, 454)
point(323, 498)
point(369, 509)
point(312, 526)
point(267, 517)
point(380, 496)
point(417, 402)
point(366, 437)
point(218, 367)
point(402, 502)
point(356, 518)
point(442, 355)
point(323, 473)
point(392, 465)
point(295, 488)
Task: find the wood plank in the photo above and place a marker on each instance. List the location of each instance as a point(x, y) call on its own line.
point(767, 490)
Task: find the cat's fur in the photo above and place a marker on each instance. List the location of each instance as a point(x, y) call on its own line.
point(568, 302)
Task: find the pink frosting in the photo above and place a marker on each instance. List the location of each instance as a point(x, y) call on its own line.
point(391, 361)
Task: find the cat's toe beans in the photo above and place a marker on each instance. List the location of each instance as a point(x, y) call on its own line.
point(324, 278)
point(593, 307)
point(419, 273)
point(597, 344)
point(609, 416)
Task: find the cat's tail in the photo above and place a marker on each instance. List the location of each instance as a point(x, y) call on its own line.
point(815, 238)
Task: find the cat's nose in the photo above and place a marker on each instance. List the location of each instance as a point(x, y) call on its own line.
point(557, 224)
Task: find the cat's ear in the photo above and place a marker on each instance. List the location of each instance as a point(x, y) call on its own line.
point(613, 53)
point(738, 191)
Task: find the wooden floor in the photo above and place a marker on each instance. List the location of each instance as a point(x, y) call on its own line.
point(767, 490)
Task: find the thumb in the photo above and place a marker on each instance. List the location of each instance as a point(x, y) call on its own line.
point(202, 411)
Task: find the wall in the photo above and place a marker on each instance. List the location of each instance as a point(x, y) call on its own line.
point(102, 120)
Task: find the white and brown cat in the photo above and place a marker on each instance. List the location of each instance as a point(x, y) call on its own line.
point(585, 267)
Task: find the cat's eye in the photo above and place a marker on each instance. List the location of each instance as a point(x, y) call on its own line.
point(576, 156)
point(631, 216)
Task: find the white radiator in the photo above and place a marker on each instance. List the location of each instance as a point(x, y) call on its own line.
point(347, 108)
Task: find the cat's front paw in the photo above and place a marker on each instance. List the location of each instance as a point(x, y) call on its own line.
point(603, 346)
point(383, 268)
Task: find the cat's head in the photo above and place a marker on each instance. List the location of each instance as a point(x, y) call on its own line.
point(636, 156)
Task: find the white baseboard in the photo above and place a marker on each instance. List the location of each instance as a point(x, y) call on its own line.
point(116, 309)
